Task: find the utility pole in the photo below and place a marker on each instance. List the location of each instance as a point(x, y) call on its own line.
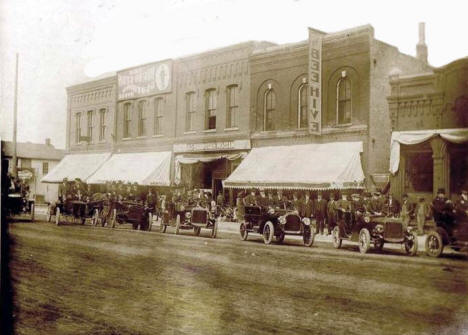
point(15, 113)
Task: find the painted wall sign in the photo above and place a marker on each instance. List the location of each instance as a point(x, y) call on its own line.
point(315, 82)
point(145, 80)
point(212, 146)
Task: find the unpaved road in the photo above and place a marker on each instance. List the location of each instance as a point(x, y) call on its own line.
point(83, 280)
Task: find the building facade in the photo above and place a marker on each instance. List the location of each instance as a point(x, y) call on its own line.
point(429, 114)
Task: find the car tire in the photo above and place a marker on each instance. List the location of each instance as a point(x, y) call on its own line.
point(57, 216)
point(177, 224)
point(434, 244)
point(336, 237)
point(49, 213)
point(279, 238)
point(379, 244)
point(268, 232)
point(244, 233)
point(32, 212)
point(364, 241)
point(196, 231)
point(214, 231)
point(411, 246)
point(308, 237)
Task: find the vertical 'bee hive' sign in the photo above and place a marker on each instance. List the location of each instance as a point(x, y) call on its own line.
point(315, 82)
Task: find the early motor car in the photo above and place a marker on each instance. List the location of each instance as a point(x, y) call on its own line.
point(72, 211)
point(450, 231)
point(275, 223)
point(374, 230)
point(132, 212)
point(19, 206)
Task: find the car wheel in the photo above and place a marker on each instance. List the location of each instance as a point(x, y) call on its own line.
point(379, 244)
point(196, 231)
point(57, 216)
point(279, 238)
point(49, 213)
point(364, 241)
point(336, 237)
point(308, 237)
point(150, 221)
point(243, 231)
point(434, 244)
point(411, 244)
point(214, 231)
point(177, 224)
point(268, 232)
point(32, 212)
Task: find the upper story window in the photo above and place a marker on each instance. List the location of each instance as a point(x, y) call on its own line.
point(102, 124)
point(77, 127)
point(302, 106)
point(127, 111)
point(344, 103)
point(142, 118)
point(90, 126)
point(158, 116)
point(190, 110)
point(270, 107)
point(210, 109)
point(232, 113)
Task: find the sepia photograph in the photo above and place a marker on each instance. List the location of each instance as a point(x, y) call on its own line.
point(234, 167)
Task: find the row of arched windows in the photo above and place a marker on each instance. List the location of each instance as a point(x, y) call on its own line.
point(343, 105)
point(142, 114)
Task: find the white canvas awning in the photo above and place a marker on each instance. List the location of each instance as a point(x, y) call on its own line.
point(309, 166)
point(144, 168)
point(76, 166)
point(419, 136)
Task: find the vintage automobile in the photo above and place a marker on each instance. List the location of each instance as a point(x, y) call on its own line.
point(276, 223)
point(367, 229)
point(197, 218)
point(19, 206)
point(132, 212)
point(450, 231)
point(73, 211)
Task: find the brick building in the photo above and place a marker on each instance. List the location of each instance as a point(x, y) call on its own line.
point(210, 109)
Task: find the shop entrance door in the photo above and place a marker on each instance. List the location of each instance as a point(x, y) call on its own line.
point(217, 183)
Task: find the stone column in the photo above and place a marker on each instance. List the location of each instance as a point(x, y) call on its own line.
point(441, 161)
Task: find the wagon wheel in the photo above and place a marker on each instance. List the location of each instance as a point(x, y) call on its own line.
point(32, 212)
point(364, 241)
point(434, 244)
point(214, 231)
point(336, 237)
point(411, 244)
point(244, 233)
point(49, 213)
point(268, 232)
point(177, 224)
point(196, 231)
point(57, 216)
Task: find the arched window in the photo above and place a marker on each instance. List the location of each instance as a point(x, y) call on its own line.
point(142, 118)
point(344, 106)
point(158, 116)
point(232, 104)
point(210, 109)
point(127, 120)
point(302, 106)
point(270, 107)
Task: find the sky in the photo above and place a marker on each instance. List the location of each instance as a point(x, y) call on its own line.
point(65, 42)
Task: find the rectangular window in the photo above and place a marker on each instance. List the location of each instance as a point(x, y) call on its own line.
point(77, 127)
point(90, 126)
point(233, 107)
point(211, 109)
point(142, 118)
point(127, 120)
point(190, 111)
point(158, 116)
point(45, 168)
point(102, 124)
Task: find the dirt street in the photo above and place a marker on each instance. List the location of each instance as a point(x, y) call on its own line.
point(87, 280)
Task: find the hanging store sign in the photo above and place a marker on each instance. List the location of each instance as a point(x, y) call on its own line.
point(315, 82)
point(212, 146)
point(145, 80)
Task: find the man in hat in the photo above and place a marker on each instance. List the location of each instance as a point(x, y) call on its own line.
point(343, 209)
point(366, 200)
point(64, 190)
point(462, 203)
point(280, 201)
point(262, 200)
point(296, 203)
point(376, 205)
point(331, 214)
point(357, 206)
point(320, 213)
point(441, 206)
point(422, 214)
point(407, 210)
point(392, 206)
point(307, 206)
point(251, 199)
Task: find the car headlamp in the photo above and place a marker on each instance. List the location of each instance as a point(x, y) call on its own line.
point(282, 220)
point(379, 228)
point(188, 215)
point(271, 210)
point(306, 221)
point(366, 219)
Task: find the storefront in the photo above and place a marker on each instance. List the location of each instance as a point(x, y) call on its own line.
point(207, 165)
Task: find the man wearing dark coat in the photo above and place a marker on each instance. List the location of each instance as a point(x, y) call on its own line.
point(307, 206)
point(320, 213)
